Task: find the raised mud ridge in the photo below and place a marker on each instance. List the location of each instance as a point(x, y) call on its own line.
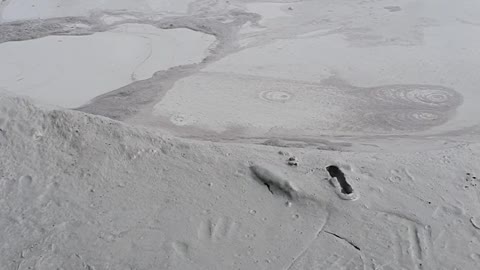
point(274, 181)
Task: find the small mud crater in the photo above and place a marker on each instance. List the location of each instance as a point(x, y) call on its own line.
point(181, 120)
point(276, 96)
point(415, 96)
point(393, 8)
point(407, 107)
point(405, 120)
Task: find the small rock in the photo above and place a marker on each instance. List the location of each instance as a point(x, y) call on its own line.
point(292, 161)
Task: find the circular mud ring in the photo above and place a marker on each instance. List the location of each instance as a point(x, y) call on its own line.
point(179, 120)
point(417, 96)
point(405, 120)
point(424, 116)
point(276, 96)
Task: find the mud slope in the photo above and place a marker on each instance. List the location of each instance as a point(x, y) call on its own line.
point(81, 191)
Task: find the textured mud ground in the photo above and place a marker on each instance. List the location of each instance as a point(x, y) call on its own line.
point(85, 192)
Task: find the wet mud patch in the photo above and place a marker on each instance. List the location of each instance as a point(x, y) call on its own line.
point(292, 113)
point(341, 108)
point(404, 108)
point(412, 96)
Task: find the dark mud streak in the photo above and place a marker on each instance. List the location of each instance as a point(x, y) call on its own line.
point(33, 29)
point(344, 239)
point(334, 171)
point(127, 101)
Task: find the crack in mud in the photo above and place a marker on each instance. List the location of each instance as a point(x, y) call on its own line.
point(344, 239)
point(305, 250)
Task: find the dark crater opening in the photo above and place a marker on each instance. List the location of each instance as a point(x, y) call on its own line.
point(334, 171)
